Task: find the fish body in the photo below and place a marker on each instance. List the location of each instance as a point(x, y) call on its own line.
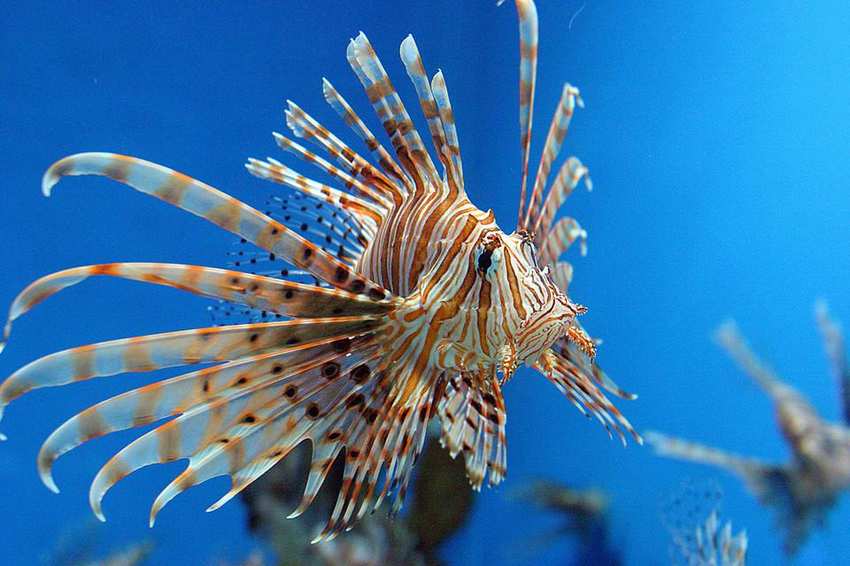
point(803, 489)
point(422, 308)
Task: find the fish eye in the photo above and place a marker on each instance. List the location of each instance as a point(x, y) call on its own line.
point(485, 260)
point(488, 253)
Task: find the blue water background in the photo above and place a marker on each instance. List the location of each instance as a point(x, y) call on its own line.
point(718, 137)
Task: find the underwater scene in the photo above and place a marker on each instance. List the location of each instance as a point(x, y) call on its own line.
point(428, 283)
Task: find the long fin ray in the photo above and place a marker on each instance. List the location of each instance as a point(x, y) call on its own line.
point(170, 349)
point(444, 107)
point(390, 109)
point(527, 12)
point(368, 215)
point(570, 98)
point(273, 432)
point(153, 402)
point(203, 426)
point(305, 126)
point(255, 291)
point(560, 238)
point(568, 177)
point(379, 153)
point(219, 208)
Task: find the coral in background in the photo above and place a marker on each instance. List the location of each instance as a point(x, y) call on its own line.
point(803, 489)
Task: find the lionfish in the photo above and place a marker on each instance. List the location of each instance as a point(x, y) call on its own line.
point(692, 517)
point(422, 307)
point(804, 489)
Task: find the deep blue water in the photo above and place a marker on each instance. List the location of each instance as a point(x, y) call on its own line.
point(717, 136)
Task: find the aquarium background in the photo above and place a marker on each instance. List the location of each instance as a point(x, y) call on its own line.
point(717, 138)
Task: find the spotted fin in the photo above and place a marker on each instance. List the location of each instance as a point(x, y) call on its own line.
point(217, 207)
point(255, 291)
point(383, 442)
point(266, 430)
point(170, 349)
point(189, 391)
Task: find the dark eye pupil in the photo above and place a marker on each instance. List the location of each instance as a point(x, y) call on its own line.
point(485, 260)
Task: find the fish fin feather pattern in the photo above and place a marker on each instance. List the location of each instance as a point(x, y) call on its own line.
point(397, 123)
point(421, 307)
point(473, 423)
point(527, 12)
point(217, 207)
point(580, 379)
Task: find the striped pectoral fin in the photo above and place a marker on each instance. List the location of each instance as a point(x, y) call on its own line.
point(342, 429)
point(406, 444)
point(148, 353)
point(578, 384)
point(219, 208)
point(240, 433)
point(312, 418)
point(325, 452)
point(372, 428)
point(256, 291)
point(384, 442)
point(153, 402)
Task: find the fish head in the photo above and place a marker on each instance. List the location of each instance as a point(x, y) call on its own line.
point(531, 312)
